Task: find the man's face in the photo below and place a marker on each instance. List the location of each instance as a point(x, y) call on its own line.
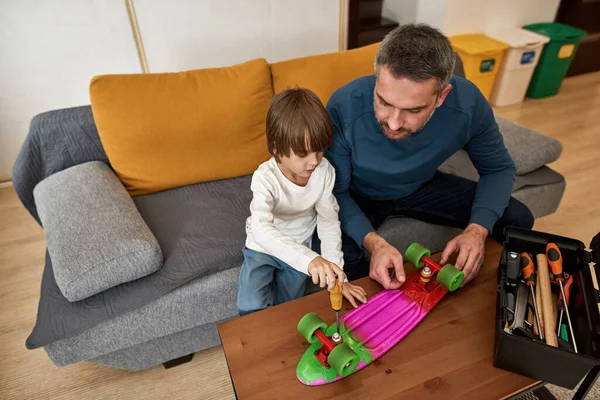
point(402, 106)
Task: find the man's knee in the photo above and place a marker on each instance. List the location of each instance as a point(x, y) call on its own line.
point(518, 214)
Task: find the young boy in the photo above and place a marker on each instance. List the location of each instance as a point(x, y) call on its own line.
point(292, 195)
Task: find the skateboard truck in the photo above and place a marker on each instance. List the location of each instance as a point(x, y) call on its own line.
point(336, 337)
point(326, 346)
point(426, 274)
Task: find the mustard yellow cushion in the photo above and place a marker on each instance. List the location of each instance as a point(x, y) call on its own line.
point(166, 130)
point(323, 74)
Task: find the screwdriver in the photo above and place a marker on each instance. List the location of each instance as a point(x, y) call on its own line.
point(335, 297)
point(555, 260)
point(529, 276)
point(564, 302)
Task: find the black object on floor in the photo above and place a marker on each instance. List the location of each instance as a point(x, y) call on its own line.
point(178, 361)
point(587, 383)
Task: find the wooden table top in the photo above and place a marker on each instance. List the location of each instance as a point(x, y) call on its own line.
point(448, 355)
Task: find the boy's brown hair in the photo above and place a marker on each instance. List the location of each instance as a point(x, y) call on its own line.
point(297, 121)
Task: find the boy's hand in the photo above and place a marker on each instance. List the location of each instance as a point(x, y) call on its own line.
point(322, 270)
point(353, 292)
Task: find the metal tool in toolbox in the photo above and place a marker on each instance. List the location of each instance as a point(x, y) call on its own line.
point(528, 268)
point(556, 263)
point(512, 278)
point(521, 279)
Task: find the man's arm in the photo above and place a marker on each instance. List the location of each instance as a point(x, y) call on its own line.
point(353, 220)
point(328, 224)
point(496, 169)
point(497, 174)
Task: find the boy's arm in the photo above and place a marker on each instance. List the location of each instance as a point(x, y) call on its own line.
point(267, 236)
point(353, 220)
point(328, 224)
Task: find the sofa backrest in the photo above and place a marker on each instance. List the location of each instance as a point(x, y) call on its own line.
point(325, 73)
point(167, 130)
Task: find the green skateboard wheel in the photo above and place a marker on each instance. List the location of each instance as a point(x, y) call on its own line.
point(308, 325)
point(343, 360)
point(450, 277)
point(414, 253)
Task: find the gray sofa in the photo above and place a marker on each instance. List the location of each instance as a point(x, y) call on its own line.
point(174, 311)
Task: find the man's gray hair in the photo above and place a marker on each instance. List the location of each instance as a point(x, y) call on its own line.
point(418, 52)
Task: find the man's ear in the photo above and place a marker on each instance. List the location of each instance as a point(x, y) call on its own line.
point(443, 94)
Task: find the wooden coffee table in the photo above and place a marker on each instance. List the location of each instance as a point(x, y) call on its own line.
point(449, 355)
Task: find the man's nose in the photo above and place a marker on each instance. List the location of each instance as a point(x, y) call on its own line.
point(395, 121)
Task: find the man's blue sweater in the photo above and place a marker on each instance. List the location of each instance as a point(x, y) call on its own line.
point(373, 166)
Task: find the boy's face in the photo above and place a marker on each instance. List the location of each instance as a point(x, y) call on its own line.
point(301, 166)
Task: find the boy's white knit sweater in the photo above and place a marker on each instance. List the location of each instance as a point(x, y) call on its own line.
point(284, 216)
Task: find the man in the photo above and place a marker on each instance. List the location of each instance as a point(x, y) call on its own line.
point(392, 130)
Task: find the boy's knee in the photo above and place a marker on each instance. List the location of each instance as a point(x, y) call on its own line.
point(249, 304)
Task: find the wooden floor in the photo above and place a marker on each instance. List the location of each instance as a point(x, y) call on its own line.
point(572, 117)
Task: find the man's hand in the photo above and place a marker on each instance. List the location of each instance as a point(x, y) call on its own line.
point(324, 272)
point(470, 246)
point(387, 266)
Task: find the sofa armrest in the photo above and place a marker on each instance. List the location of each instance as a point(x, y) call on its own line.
point(56, 140)
point(530, 150)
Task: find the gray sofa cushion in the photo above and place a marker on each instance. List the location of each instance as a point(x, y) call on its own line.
point(200, 229)
point(95, 236)
point(529, 149)
point(205, 300)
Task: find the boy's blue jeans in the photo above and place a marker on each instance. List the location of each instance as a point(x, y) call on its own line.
point(265, 281)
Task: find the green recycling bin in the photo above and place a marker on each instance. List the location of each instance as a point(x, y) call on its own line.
point(555, 59)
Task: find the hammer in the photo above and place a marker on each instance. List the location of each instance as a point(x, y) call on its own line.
point(544, 285)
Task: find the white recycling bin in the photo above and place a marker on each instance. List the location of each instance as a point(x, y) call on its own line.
point(517, 66)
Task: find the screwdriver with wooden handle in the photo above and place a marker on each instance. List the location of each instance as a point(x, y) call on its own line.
point(555, 260)
point(336, 299)
point(529, 276)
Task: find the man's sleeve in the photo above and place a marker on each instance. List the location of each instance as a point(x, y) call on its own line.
point(354, 222)
point(495, 166)
point(328, 224)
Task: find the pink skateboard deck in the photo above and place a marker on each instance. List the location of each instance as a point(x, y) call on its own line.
point(372, 329)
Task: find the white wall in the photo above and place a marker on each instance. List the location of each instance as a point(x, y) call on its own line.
point(467, 16)
point(48, 53)
point(456, 17)
point(50, 50)
point(190, 34)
